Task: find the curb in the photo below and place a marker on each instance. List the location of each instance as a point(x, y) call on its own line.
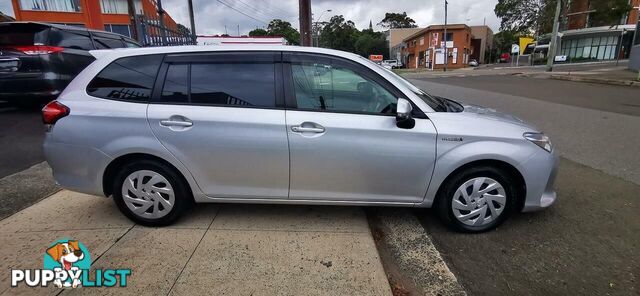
point(586, 79)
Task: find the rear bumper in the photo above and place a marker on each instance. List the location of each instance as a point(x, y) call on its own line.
point(76, 167)
point(31, 89)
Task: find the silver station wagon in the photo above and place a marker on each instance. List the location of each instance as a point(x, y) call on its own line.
point(161, 128)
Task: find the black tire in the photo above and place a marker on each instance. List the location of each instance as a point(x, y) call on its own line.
point(446, 193)
point(183, 199)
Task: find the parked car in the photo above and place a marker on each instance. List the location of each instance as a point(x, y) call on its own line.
point(473, 63)
point(160, 128)
point(38, 60)
point(392, 63)
point(504, 58)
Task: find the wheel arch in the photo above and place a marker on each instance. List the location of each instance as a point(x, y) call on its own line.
point(116, 164)
point(503, 165)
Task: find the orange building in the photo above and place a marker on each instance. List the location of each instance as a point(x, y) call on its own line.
point(425, 48)
point(108, 15)
point(578, 15)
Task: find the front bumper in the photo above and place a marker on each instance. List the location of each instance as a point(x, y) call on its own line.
point(543, 169)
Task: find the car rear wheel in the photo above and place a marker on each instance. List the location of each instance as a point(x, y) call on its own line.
point(150, 193)
point(477, 199)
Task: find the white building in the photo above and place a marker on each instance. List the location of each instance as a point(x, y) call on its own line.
point(236, 40)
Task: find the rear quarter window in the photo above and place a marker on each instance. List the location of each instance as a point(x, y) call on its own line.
point(127, 79)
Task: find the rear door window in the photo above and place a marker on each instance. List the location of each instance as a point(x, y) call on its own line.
point(128, 79)
point(235, 84)
point(176, 84)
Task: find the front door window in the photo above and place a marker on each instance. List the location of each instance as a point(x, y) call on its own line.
point(328, 87)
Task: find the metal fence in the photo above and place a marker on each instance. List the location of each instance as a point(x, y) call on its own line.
point(151, 32)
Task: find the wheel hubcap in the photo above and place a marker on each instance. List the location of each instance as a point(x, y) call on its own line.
point(148, 194)
point(478, 201)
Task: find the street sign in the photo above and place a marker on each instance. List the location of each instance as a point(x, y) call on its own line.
point(515, 48)
point(560, 58)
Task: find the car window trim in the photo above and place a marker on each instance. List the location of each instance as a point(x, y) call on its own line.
point(299, 57)
point(213, 58)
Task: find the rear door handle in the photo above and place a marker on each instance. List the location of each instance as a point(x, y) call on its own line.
point(300, 129)
point(169, 122)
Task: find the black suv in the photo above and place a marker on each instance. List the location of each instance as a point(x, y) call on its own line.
point(38, 60)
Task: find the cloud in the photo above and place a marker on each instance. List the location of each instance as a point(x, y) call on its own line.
point(213, 15)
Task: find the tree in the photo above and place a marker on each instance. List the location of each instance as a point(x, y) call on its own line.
point(339, 34)
point(370, 42)
point(183, 30)
point(258, 32)
point(393, 20)
point(526, 16)
point(608, 12)
point(278, 27)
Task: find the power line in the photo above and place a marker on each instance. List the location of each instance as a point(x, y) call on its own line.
point(255, 10)
point(274, 8)
point(241, 12)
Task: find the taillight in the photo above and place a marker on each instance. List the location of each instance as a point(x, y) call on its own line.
point(53, 111)
point(38, 49)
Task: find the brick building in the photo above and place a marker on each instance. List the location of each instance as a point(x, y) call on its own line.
point(425, 48)
point(108, 15)
point(585, 39)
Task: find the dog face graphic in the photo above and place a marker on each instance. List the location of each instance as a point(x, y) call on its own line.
point(66, 253)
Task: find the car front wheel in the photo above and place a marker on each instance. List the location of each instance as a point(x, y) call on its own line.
point(150, 193)
point(477, 199)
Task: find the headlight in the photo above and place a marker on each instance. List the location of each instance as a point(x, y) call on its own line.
point(539, 139)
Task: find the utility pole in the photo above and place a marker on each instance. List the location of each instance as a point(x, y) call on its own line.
point(163, 32)
point(551, 54)
point(132, 18)
point(305, 22)
point(193, 22)
point(446, 54)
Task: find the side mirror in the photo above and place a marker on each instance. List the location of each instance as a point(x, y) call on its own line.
point(403, 114)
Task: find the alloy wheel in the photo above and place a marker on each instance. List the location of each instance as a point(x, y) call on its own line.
point(148, 194)
point(478, 201)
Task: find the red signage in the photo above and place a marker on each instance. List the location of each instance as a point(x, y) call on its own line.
point(376, 57)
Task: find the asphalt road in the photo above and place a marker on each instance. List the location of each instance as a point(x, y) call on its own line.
point(586, 244)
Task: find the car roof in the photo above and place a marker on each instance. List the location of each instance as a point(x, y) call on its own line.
point(124, 52)
point(64, 27)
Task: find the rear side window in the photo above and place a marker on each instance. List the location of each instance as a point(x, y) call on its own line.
point(129, 79)
point(239, 84)
point(70, 39)
point(106, 41)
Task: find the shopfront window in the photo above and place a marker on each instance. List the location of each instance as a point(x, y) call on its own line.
point(585, 48)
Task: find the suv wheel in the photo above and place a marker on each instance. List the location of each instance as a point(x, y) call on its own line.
point(150, 193)
point(477, 199)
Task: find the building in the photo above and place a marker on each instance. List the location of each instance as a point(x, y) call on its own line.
point(108, 15)
point(394, 39)
point(481, 42)
point(585, 39)
point(223, 40)
point(425, 48)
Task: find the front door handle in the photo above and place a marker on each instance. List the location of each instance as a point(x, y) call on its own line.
point(300, 129)
point(169, 122)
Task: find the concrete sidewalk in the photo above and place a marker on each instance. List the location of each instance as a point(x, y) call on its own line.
point(215, 249)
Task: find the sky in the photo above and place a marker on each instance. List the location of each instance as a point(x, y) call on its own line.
point(213, 15)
